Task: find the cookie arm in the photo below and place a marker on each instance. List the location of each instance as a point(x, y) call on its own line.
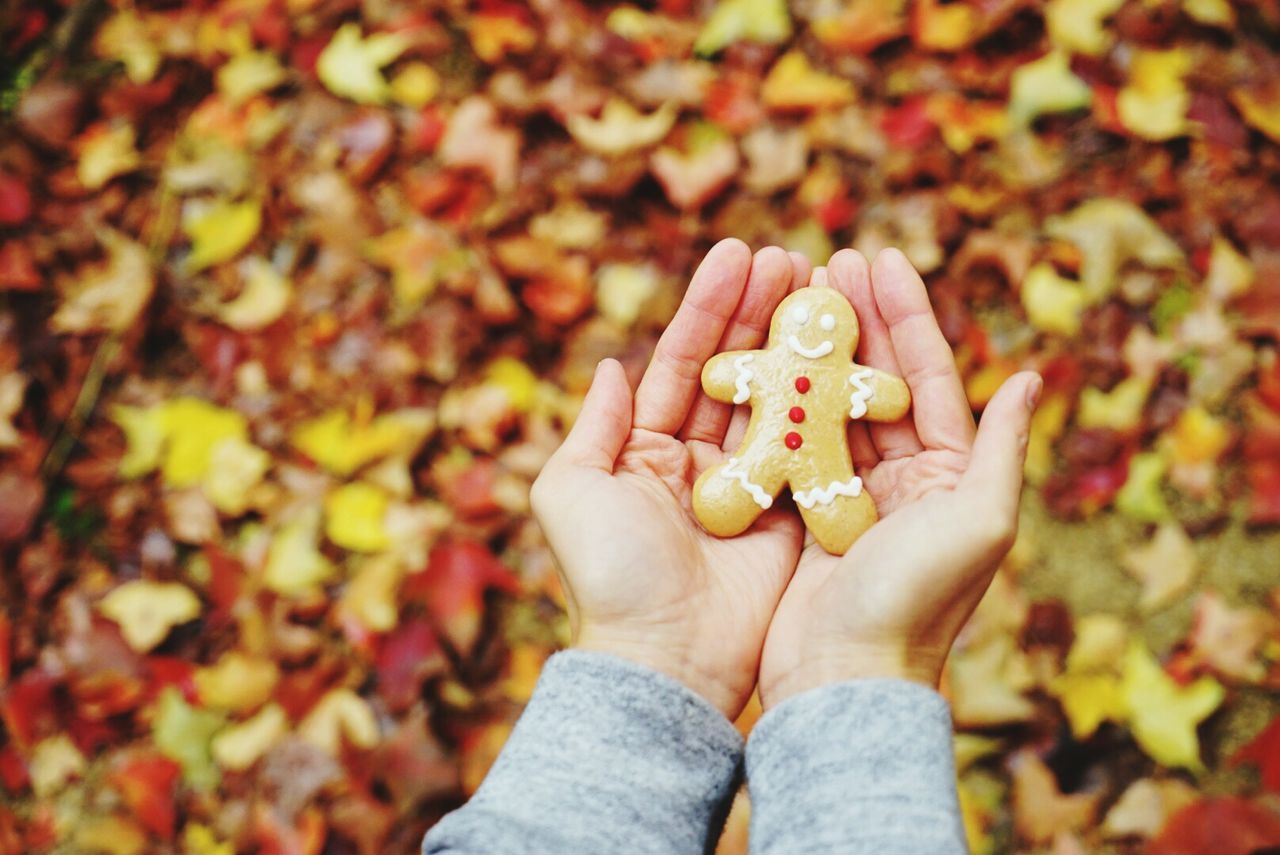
point(730, 376)
point(877, 396)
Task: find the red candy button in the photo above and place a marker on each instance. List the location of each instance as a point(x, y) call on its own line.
point(796, 414)
point(793, 440)
point(802, 385)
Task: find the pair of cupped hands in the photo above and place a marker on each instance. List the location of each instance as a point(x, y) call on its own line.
point(645, 582)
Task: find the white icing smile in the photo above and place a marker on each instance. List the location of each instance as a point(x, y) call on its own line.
point(810, 352)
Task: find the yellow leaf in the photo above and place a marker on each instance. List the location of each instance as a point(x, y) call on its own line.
point(1165, 566)
point(54, 762)
point(1260, 107)
point(415, 85)
point(339, 715)
point(1110, 233)
point(294, 564)
point(238, 683)
point(1077, 25)
point(144, 434)
point(1154, 103)
point(126, 37)
point(794, 84)
point(106, 153)
point(1120, 409)
point(1047, 424)
point(1088, 700)
point(110, 835)
point(247, 74)
point(239, 746)
point(261, 301)
point(1163, 715)
point(1046, 85)
point(1198, 437)
point(763, 21)
point(370, 596)
point(948, 27)
point(570, 225)
point(965, 122)
point(622, 290)
point(342, 447)
point(493, 36)
point(350, 66)
point(146, 610)
point(516, 379)
point(621, 128)
point(1214, 13)
point(1141, 498)
point(235, 468)
point(1230, 274)
point(193, 428)
point(356, 517)
point(1100, 643)
point(198, 839)
point(1053, 303)
point(220, 231)
point(108, 297)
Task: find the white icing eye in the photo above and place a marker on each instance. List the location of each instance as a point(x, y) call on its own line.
point(828, 322)
point(800, 315)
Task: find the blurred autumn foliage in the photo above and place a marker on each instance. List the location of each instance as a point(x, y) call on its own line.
point(296, 296)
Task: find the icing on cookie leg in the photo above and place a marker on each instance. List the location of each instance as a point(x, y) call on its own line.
point(837, 512)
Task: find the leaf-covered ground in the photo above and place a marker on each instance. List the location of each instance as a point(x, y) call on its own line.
point(296, 297)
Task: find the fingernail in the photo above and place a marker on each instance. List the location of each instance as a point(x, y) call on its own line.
point(1034, 388)
point(819, 278)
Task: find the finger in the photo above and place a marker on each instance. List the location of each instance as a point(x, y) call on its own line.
point(861, 449)
point(850, 274)
point(1000, 448)
point(801, 268)
point(771, 272)
point(673, 378)
point(942, 415)
point(603, 425)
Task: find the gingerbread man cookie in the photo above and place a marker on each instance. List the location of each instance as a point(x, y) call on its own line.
point(803, 388)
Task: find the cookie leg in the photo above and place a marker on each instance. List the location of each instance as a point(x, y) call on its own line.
point(837, 511)
point(728, 498)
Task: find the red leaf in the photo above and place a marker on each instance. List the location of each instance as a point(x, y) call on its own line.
point(733, 103)
point(406, 657)
point(907, 125)
point(13, 772)
point(171, 671)
point(28, 708)
point(1264, 752)
point(1264, 491)
point(452, 587)
point(1224, 826)
point(21, 497)
point(6, 648)
point(15, 201)
point(146, 784)
point(470, 492)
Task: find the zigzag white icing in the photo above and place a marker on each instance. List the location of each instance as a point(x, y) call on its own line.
point(861, 393)
point(744, 377)
point(825, 496)
point(758, 494)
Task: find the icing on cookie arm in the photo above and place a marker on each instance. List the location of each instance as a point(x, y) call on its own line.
point(877, 396)
point(731, 376)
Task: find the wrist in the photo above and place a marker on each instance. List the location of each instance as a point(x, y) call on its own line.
point(852, 662)
point(668, 659)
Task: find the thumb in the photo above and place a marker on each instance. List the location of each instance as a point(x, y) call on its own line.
point(604, 423)
point(1000, 448)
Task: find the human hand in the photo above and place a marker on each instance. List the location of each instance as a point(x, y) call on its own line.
point(947, 495)
point(642, 579)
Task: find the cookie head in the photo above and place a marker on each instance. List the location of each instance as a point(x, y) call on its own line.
point(814, 322)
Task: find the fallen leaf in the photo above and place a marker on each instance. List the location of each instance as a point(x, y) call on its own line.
point(621, 128)
point(1077, 25)
point(248, 74)
point(355, 517)
point(1045, 86)
point(1110, 233)
point(1162, 714)
point(1166, 566)
point(107, 297)
point(294, 563)
point(263, 298)
point(146, 611)
point(794, 84)
point(1053, 303)
point(987, 684)
point(183, 733)
point(239, 746)
point(106, 152)
point(343, 444)
point(1119, 410)
point(341, 716)
point(237, 683)
point(220, 230)
point(1145, 805)
point(1142, 498)
point(1223, 826)
point(1040, 810)
point(350, 65)
point(1228, 639)
point(1154, 104)
point(694, 177)
point(54, 762)
point(475, 139)
point(763, 21)
point(1264, 752)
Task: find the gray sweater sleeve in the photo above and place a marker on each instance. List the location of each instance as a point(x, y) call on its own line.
point(858, 767)
point(608, 757)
